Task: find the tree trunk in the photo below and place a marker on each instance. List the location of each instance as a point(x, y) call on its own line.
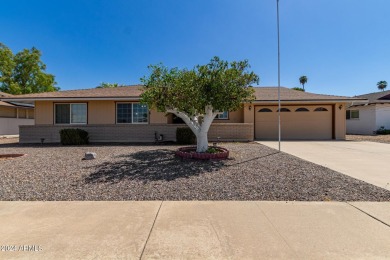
point(200, 129)
point(202, 143)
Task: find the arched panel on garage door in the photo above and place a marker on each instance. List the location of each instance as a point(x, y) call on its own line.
point(295, 125)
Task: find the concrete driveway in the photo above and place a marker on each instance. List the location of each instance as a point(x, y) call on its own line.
point(366, 161)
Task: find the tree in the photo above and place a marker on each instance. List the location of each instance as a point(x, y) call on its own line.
point(108, 85)
point(303, 81)
point(197, 96)
point(382, 85)
point(7, 64)
point(299, 89)
point(24, 72)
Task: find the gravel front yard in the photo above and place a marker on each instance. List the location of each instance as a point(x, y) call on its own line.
point(370, 138)
point(136, 172)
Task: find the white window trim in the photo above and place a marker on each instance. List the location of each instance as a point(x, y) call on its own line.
point(355, 118)
point(70, 113)
point(350, 114)
point(132, 123)
point(227, 118)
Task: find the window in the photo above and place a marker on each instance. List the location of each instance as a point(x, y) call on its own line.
point(352, 114)
point(320, 109)
point(283, 109)
point(265, 110)
point(71, 113)
point(131, 113)
point(140, 113)
point(224, 115)
point(124, 113)
point(302, 109)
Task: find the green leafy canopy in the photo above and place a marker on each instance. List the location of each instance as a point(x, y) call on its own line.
point(222, 85)
point(382, 85)
point(109, 85)
point(24, 72)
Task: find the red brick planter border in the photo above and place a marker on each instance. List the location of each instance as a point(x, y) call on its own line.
point(190, 153)
point(11, 155)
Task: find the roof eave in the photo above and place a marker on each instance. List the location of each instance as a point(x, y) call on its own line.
point(68, 98)
point(312, 100)
point(16, 106)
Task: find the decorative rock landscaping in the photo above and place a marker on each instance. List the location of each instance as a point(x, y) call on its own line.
point(154, 172)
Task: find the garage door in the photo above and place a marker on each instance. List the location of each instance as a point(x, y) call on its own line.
point(297, 122)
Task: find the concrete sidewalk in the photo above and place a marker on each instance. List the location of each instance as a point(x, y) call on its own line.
point(195, 230)
point(366, 161)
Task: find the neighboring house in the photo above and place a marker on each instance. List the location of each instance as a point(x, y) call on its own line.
point(367, 118)
point(13, 114)
point(115, 115)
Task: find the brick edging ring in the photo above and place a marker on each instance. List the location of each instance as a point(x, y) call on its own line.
point(12, 155)
point(189, 152)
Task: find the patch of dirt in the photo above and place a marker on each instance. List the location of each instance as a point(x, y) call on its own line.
point(9, 140)
point(370, 138)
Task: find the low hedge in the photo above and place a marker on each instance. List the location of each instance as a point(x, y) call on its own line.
point(184, 135)
point(73, 136)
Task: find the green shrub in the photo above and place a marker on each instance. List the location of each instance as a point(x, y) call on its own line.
point(74, 137)
point(184, 135)
point(212, 150)
point(382, 131)
point(299, 89)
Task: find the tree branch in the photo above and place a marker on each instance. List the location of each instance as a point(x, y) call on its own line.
point(195, 127)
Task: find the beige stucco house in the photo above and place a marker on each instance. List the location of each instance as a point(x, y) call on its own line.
point(115, 115)
point(13, 114)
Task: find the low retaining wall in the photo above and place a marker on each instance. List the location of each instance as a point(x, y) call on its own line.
point(10, 126)
point(133, 133)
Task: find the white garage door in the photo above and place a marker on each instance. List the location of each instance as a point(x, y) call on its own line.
point(297, 122)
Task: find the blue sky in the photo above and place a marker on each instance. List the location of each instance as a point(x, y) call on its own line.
point(342, 46)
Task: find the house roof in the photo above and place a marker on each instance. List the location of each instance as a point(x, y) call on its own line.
point(377, 97)
point(6, 104)
point(15, 104)
point(262, 94)
point(287, 94)
point(3, 94)
point(92, 93)
point(12, 104)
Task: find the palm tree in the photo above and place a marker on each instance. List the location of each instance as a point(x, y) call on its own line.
point(303, 81)
point(382, 85)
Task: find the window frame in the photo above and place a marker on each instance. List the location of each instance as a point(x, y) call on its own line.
point(227, 116)
point(70, 113)
point(132, 111)
point(349, 111)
